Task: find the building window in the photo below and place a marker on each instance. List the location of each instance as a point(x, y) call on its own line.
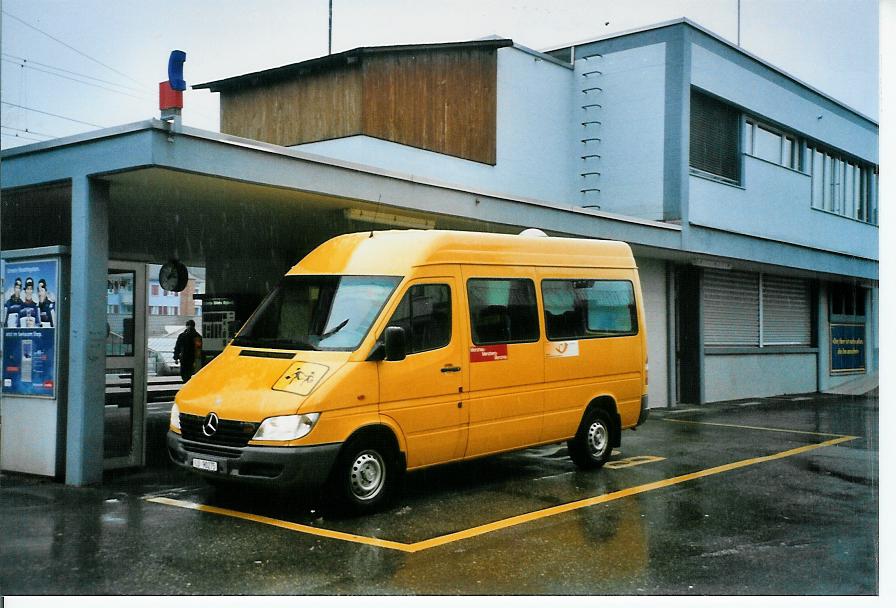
point(847, 302)
point(773, 145)
point(588, 308)
point(751, 309)
point(843, 185)
point(715, 130)
point(502, 311)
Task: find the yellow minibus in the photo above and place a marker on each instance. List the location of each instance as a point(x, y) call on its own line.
point(385, 352)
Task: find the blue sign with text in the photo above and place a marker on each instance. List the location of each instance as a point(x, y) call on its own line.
point(847, 347)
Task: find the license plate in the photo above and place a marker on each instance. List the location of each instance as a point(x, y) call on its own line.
point(205, 465)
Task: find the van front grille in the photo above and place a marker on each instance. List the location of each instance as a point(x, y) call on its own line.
point(233, 433)
point(211, 450)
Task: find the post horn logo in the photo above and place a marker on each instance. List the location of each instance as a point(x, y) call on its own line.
point(210, 425)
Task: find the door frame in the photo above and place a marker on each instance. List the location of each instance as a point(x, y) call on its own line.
point(137, 364)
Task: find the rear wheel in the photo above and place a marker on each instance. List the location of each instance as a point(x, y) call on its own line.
point(366, 475)
point(591, 447)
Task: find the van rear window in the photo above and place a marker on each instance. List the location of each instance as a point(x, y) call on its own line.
point(502, 310)
point(588, 308)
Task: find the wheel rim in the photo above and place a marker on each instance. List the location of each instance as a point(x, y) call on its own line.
point(598, 439)
point(367, 475)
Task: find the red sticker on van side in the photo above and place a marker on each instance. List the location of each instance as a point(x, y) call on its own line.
point(493, 352)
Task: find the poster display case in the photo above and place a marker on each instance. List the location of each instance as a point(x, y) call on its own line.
point(30, 319)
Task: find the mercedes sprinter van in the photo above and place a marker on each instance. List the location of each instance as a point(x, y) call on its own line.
point(382, 352)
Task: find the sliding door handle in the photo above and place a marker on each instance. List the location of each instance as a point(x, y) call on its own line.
point(450, 369)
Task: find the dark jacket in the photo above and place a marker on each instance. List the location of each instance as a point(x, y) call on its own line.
point(185, 347)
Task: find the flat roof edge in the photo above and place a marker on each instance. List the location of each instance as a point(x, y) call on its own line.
point(543, 56)
point(414, 179)
point(79, 138)
point(157, 125)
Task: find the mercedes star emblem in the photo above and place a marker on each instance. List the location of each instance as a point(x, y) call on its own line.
point(210, 426)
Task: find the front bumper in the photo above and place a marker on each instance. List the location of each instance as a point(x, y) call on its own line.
point(275, 467)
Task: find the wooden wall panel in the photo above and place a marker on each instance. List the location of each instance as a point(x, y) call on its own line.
point(311, 107)
point(439, 100)
point(443, 100)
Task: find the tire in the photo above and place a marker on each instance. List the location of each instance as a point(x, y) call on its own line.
point(365, 476)
point(592, 445)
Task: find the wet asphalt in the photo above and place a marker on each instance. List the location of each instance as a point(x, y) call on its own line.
point(758, 497)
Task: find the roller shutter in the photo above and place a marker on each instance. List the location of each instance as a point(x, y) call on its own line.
point(786, 311)
point(730, 308)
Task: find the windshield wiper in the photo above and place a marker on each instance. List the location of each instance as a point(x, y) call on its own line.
point(326, 335)
point(273, 343)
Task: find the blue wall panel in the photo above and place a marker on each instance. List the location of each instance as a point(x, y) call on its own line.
point(632, 130)
point(775, 204)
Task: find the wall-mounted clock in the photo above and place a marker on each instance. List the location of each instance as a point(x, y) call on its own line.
point(173, 276)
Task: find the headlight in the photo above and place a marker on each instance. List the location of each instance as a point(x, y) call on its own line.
point(286, 428)
point(174, 420)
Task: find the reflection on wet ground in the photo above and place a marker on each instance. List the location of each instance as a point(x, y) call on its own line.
point(774, 497)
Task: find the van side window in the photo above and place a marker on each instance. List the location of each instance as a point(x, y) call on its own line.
point(502, 310)
point(425, 315)
point(587, 308)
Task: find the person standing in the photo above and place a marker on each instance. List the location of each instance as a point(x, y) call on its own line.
point(188, 350)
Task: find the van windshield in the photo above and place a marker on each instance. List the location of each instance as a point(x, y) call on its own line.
point(317, 312)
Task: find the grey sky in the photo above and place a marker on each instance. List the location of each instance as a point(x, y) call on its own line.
point(829, 44)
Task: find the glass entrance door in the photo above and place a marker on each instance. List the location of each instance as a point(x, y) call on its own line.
point(125, 404)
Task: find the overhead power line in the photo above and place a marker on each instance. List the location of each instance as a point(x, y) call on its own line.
point(90, 124)
point(90, 84)
point(70, 47)
point(29, 131)
point(30, 63)
point(17, 136)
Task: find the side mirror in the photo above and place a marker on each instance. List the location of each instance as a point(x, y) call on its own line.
point(396, 348)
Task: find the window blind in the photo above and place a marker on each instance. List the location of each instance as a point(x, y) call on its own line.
point(714, 137)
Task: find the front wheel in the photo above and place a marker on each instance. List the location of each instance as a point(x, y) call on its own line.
point(365, 476)
point(591, 447)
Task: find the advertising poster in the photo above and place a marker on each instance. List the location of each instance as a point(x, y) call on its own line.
point(29, 321)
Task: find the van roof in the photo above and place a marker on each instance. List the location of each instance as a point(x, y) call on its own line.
point(396, 252)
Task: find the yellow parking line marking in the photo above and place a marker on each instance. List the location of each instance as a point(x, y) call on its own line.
point(587, 502)
point(355, 538)
point(510, 521)
point(755, 428)
point(632, 461)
